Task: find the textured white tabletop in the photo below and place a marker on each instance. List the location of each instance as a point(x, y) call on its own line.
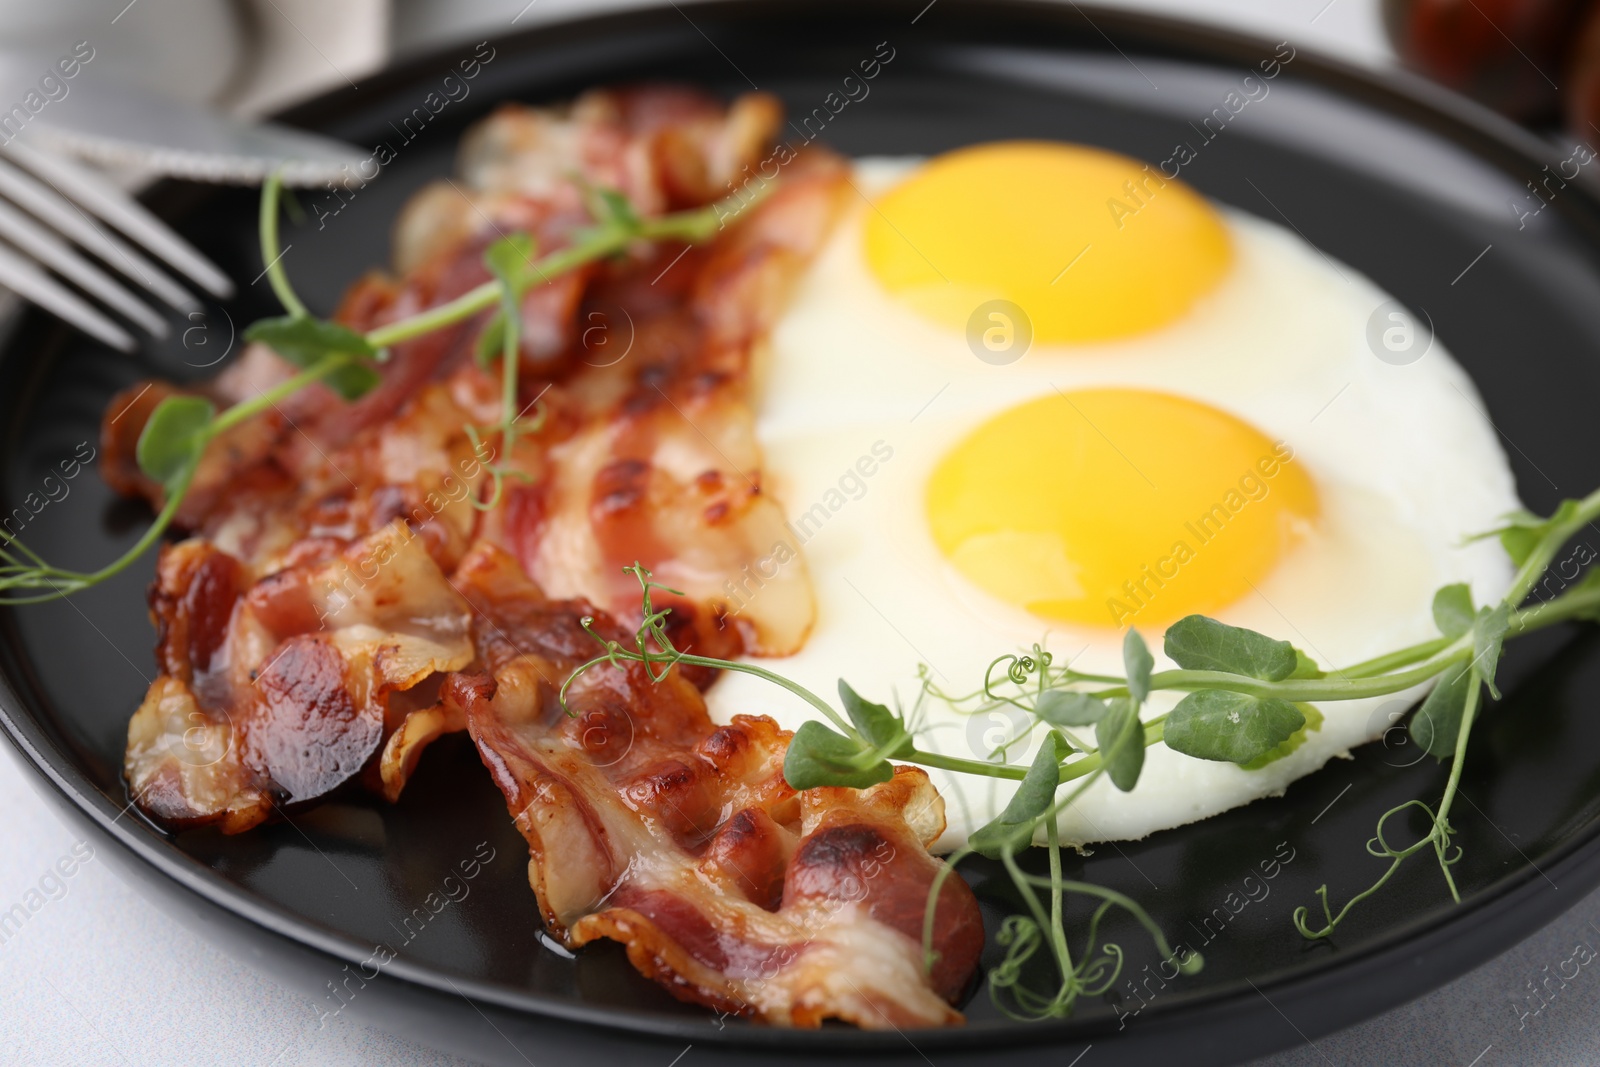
point(97, 975)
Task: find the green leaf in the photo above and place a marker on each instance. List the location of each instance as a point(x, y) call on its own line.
point(876, 723)
point(1453, 612)
point(1138, 662)
point(1216, 724)
point(1033, 798)
point(1437, 724)
point(1198, 643)
point(1305, 667)
point(819, 756)
point(306, 342)
point(510, 259)
point(1314, 722)
point(173, 437)
point(1519, 542)
point(492, 341)
point(609, 205)
point(1060, 708)
point(1120, 738)
point(1488, 635)
point(1524, 530)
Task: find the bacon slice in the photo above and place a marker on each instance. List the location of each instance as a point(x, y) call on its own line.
point(660, 464)
point(664, 147)
point(648, 453)
point(280, 692)
point(649, 458)
point(651, 826)
point(343, 603)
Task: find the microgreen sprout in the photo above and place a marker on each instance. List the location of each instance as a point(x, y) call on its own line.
point(1247, 698)
point(177, 433)
point(856, 752)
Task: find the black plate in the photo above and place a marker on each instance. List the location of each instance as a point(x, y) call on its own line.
point(1400, 180)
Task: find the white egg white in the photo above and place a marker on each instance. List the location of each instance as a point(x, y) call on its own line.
point(860, 398)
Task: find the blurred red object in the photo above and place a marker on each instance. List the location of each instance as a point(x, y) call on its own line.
point(1581, 89)
point(1509, 54)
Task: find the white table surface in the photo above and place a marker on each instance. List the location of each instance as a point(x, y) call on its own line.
point(99, 975)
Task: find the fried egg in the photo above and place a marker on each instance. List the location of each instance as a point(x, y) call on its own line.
point(1039, 393)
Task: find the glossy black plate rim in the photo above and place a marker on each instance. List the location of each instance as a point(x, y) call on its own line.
point(1431, 949)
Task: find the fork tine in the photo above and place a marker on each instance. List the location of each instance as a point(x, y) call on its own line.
point(24, 277)
point(125, 213)
point(69, 219)
point(47, 248)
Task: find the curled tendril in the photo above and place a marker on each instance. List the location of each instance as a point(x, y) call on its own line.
point(1100, 972)
point(1021, 938)
point(1018, 669)
point(1110, 957)
point(1379, 845)
point(1438, 838)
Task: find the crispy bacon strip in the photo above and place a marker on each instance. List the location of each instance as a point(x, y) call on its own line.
point(664, 147)
point(648, 450)
point(663, 467)
point(278, 693)
point(651, 826)
point(648, 457)
point(343, 604)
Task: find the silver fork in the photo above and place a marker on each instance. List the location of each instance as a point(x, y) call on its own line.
point(49, 204)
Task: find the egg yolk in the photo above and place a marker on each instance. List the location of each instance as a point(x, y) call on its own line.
point(1117, 507)
point(1090, 245)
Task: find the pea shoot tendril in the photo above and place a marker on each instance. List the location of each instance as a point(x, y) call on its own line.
point(178, 431)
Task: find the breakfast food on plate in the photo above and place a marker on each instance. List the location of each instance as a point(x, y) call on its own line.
point(651, 826)
point(662, 420)
point(308, 514)
point(343, 602)
point(1198, 426)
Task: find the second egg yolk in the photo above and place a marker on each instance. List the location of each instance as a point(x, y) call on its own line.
point(1116, 507)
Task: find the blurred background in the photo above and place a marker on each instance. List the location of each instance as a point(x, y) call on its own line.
point(104, 977)
point(251, 57)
